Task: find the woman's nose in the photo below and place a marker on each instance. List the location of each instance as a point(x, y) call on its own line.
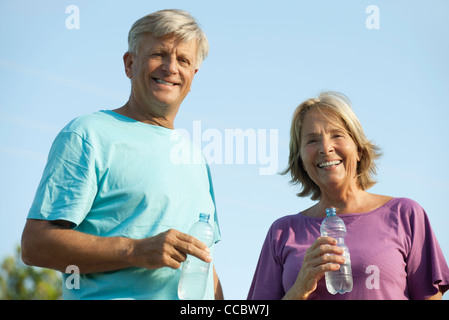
point(326, 146)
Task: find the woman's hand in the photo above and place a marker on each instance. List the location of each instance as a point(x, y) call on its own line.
point(322, 256)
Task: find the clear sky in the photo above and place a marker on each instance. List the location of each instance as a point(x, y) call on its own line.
point(265, 58)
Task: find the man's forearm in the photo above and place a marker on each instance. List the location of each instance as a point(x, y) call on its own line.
point(49, 245)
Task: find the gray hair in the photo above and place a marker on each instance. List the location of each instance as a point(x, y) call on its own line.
point(164, 22)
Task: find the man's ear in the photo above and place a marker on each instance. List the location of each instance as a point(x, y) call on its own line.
point(194, 73)
point(128, 58)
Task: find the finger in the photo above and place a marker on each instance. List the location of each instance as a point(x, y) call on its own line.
point(314, 274)
point(183, 237)
point(317, 267)
point(327, 262)
point(191, 245)
point(325, 240)
point(171, 256)
point(324, 245)
point(178, 256)
point(332, 258)
point(329, 250)
point(323, 268)
point(321, 241)
point(324, 253)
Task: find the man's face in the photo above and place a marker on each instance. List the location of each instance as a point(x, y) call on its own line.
point(162, 72)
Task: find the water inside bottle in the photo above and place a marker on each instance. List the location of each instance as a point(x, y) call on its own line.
point(340, 281)
point(192, 285)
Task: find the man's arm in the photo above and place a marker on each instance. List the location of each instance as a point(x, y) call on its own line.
point(217, 287)
point(54, 245)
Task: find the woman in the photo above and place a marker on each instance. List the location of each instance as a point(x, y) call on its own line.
point(394, 252)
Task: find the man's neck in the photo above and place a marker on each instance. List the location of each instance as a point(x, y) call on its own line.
point(134, 111)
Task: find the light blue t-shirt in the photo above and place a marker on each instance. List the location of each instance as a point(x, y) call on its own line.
point(113, 176)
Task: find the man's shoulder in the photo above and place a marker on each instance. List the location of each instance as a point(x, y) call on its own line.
point(88, 122)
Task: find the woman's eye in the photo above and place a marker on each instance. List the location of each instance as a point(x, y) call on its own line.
point(339, 135)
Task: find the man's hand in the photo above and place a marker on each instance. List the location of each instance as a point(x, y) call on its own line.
point(168, 249)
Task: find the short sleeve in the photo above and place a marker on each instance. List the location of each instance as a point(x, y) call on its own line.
point(267, 280)
point(426, 267)
point(69, 183)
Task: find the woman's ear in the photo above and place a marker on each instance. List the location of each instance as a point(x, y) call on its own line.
point(359, 154)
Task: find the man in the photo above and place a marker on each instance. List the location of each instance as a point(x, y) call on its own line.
point(112, 201)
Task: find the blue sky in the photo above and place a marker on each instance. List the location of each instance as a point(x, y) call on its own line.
point(265, 58)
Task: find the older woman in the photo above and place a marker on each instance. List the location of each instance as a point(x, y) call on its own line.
point(394, 252)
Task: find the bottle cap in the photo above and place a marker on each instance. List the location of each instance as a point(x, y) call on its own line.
point(204, 217)
point(330, 212)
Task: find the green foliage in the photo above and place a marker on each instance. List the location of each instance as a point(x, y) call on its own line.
point(21, 282)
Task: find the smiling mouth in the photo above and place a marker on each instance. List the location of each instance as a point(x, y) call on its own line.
point(165, 82)
point(328, 164)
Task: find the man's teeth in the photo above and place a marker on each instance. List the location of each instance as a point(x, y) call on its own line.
point(329, 163)
point(163, 82)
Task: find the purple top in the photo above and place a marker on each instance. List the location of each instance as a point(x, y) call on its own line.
point(394, 255)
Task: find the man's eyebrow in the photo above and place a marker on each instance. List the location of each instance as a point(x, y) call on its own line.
point(157, 48)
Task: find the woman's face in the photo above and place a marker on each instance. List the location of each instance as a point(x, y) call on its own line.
point(328, 153)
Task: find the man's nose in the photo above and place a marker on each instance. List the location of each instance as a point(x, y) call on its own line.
point(170, 64)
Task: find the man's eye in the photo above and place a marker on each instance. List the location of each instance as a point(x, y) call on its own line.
point(184, 61)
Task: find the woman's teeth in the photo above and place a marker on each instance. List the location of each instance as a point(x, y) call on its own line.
point(329, 163)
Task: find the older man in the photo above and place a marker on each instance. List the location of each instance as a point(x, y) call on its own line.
point(111, 200)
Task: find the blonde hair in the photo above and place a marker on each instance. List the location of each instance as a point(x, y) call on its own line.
point(340, 106)
point(165, 22)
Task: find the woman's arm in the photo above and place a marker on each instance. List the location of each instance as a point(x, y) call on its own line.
point(438, 296)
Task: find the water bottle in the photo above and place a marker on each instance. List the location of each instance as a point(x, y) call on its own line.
point(194, 274)
point(341, 280)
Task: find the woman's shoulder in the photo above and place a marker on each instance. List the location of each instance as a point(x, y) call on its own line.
point(394, 204)
point(283, 222)
point(403, 205)
point(293, 222)
point(407, 212)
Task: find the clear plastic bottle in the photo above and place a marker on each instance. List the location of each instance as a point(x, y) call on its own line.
point(341, 280)
point(192, 284)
